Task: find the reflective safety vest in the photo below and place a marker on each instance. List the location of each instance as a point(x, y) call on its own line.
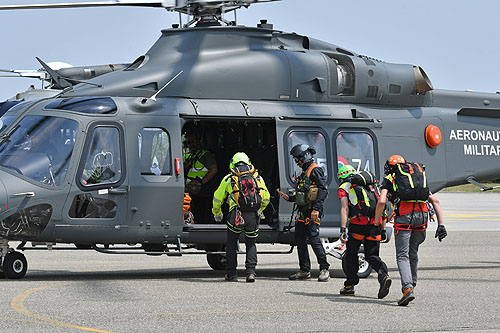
point(197, 169)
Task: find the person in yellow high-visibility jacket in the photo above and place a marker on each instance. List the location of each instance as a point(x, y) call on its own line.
point(200, 167)
point(247, 196)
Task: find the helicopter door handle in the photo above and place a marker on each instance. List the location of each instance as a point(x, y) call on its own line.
point(24, 194)
point(117, 191)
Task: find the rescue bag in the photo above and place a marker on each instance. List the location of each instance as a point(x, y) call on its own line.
point(367, 196)
point(247, 189)
point(411, 182)
point(363, 178)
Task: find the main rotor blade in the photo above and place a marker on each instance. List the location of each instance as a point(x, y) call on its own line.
point(143, 3)
point(22, 73)
point(178, 5)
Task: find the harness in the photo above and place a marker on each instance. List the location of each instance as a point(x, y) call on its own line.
point(306, 189)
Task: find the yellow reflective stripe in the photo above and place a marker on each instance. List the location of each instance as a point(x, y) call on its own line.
point(407, 175)
point(365, 197)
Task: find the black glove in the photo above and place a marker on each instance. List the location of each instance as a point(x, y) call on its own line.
point(375, 230)
point(343, 235)
point(383, 236)
point(441, 232)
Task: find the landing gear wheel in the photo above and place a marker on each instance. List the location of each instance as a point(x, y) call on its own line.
point(217, 261)
point(14, 265)
point(365, 269)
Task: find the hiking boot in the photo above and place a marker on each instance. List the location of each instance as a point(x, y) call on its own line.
point(385, 284)
point(251, 278)
point(324, 275)
point(347, 290)
point(408, 296)
point(232, 278)
point(300, 275)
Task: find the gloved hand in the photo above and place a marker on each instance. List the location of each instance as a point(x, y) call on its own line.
point(441, 232)
point(383, 236)
point(343, 235)
point(218, 218)
point(261, 215)
point(375, 230)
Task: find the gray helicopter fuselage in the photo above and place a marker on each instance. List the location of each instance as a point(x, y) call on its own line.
point(247, 89)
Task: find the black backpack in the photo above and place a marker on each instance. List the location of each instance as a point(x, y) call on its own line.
point(367, 191)
point(247, 190)
point(411, 181)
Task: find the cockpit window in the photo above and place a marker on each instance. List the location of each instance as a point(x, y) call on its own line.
point(40, 148)
point(90, 105)
point(5, 121)
point(103, 164)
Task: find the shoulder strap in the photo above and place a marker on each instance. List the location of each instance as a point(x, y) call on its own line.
point(310, 169)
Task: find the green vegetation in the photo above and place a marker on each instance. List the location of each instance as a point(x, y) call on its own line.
point(470, 188)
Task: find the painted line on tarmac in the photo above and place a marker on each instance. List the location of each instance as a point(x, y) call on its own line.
point(17, 304)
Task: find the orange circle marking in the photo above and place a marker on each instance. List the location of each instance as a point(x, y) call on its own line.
point(433, 136)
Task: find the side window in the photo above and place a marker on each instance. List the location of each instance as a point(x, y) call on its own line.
point(154, 151)
point(356, 149)
point(312, 138)
point(103, 164)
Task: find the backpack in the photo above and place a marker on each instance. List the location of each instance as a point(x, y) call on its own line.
point(411, 182)
point(247, 189)
point(367, 191)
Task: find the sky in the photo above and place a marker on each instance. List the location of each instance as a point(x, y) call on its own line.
point(454, 41)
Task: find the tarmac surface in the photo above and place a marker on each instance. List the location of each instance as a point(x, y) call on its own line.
point(74, 291)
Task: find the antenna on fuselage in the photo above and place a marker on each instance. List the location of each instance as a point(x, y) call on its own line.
point(153, 98)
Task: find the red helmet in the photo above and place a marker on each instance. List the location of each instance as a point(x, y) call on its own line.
point(391, 162)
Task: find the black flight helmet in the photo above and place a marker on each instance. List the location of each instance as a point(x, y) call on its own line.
point(303, 153)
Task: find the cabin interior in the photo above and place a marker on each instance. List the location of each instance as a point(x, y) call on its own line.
point(224, 138)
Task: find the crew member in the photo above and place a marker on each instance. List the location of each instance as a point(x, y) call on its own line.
point(360, 231)
point(310, 193)
point(410, 224)
point(200, 167)
point(247, 197)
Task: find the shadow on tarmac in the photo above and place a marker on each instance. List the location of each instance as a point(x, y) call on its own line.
point(347, 299)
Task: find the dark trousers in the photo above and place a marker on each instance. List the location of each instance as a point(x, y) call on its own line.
point(233, 234)
point(371, 249)
point(310, 231)
point(201, 207)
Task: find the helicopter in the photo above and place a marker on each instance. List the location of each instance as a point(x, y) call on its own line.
point(110, 174)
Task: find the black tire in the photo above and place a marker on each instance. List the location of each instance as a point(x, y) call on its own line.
point(365, 269)
point(216, 261)
point(14, 265)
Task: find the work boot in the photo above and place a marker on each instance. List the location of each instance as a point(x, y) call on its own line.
point(324, 275)
point(300, 275)
point(347, 290)
point(385, 284)
point(408, 296)
point(232, 278)
point(251, 278)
